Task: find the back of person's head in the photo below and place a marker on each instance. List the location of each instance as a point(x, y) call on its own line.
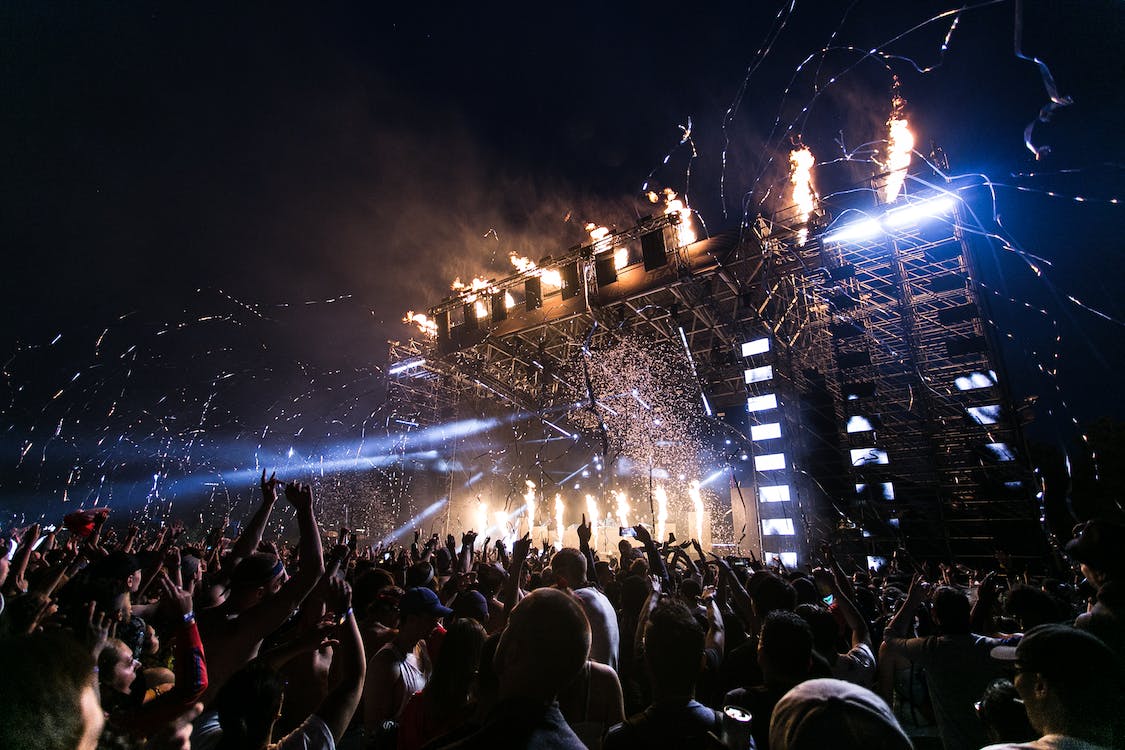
point(420, 574)
point(367, 587)
point(569, 565)
point(47, 695)
point(769, 592)
point(457, 664)
point(634, 591)
point(545, 645)
point(639, 567)
point(825, 629)
point(249, 704)
point(673, 647)
point(806, 590)
point(952, 611)
point(254, 572)
point(834, 714)
point(1032, 606)
point(1003, 714)
point(785, 647)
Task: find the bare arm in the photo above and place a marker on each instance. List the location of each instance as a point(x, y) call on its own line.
point(339, 705)
point(251, 536)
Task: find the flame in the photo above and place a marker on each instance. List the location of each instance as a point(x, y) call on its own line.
point(900, 146)
point(529, 503)
point(559, 526)
point(425, 325)
point(480, 309)
point(509, 301)
point(481, 516)
point(685, 231)
point(622, 507)
point(473, 293)
point(661, 512)
point(800, 174)
point(620, 258)
point(551, 277)
point(592, 517)
point(697, 501)
point(596, 232)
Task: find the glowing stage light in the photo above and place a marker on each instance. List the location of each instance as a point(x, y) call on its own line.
point(928, 209)
point(406, 366)
point(860, 230)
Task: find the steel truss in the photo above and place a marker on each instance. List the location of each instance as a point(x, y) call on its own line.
point(881, 329)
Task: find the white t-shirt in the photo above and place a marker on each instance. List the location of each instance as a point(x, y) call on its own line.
point(857, 666)
point(1050, 742)
point(605, 638)
point(313, 734)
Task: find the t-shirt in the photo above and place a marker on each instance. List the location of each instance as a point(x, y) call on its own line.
point(664, 725)
point(857, 666)
point(1051, 742)
point(605, 638)
point(312, 734)
point(958, 669)
point(522, 724)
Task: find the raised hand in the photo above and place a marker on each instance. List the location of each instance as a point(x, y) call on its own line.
point(643, 535)
point(585, 531)
point(339, 597)
point(521, 547)
point(468, 538)
point(178, 600)
point(269, 487)
point(100, 628)
point(299, 495)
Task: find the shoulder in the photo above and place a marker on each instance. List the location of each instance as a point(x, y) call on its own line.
point(313, 734)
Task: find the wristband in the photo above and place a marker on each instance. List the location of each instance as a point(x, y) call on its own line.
point(189, 618)
point(344, 617)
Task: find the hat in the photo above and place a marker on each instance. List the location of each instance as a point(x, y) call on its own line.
point(422, 601)
point(1060, 652)
point(256, 570)
point(837, 714)
point(471, 604)
point(1099, 544)
point(419, 574)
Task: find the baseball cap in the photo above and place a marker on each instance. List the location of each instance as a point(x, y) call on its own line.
point(1099, 544)
point(1061, 652)
point(422, 601)
point(833, 713)
point(471, 604)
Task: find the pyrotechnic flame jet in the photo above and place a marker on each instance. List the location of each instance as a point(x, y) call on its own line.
point(804, 198)
point(622, 507)
point(560, 527)
point(529, 502)
point(697, 502)
point(425, 325)
point(551, 277)
point(900, 146)
point(685, 231)
point(661, 512)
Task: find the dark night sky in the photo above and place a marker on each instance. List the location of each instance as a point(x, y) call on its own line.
point(155, 154)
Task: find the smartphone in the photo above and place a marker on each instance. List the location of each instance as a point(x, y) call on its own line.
point(828, 600)
point(627, 531)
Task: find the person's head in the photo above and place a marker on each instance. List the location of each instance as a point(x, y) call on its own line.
point(785, 648)
point(1097, 547)
point(48, 697)
point(1002, 712)
point(806, 590)
point(248, 705)
point(634, 592)
point(769, 592)
point(825, 629)
point(639, 567)
point(254, 578)
point(832, 713)
point(1069, 680)
point(673, 649)
point(570, 567)
point(1031, 606)
point(456, 668)
point(121, 568)
point(603, 572)
point(420, 574)
point(118, 668)
point(419, 612)
point(952, 611)
point(366, 589)
point(471, 604)
point(545, 644)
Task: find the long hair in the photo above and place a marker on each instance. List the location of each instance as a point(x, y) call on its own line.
point(457, 664)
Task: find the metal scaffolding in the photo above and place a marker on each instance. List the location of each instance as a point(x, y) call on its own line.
point(891, 423)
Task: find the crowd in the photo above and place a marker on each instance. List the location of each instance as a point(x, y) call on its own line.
point(114, 638)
